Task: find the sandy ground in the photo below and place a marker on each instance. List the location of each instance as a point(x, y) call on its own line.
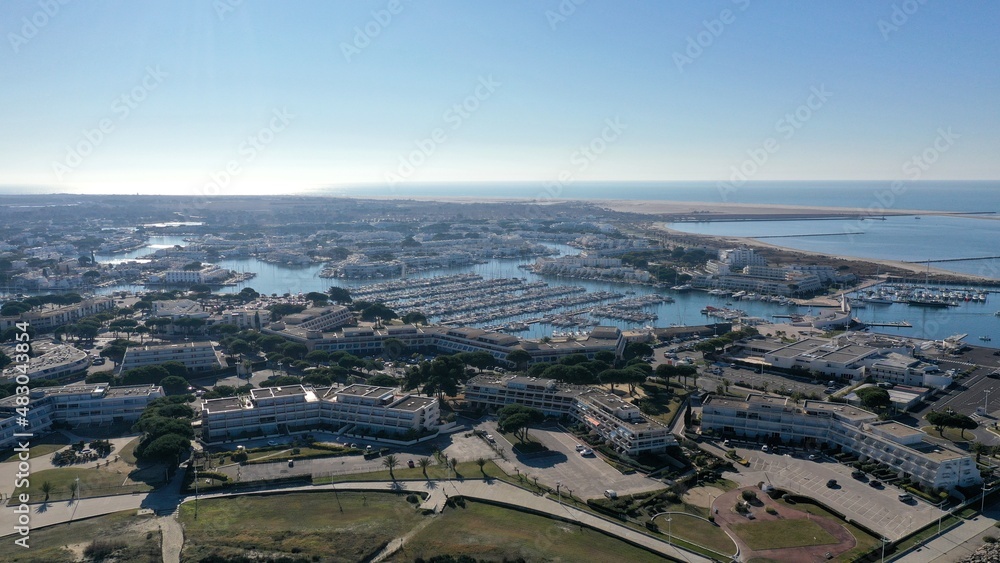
point(742, 241)
point(702, 496)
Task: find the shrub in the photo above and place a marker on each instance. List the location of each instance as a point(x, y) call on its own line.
point(748, 495)
point(770, 510)
point(989, 539)
point(99, 550)
point(412, 499)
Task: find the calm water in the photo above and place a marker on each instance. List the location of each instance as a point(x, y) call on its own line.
point(896, 238)
point(976, 319)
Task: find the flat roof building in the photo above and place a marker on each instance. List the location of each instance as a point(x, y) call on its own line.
point(196, 356)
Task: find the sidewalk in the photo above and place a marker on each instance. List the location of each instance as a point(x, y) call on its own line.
point(956, 544)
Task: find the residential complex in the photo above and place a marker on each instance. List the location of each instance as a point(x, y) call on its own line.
point(618, 422)
point(883, 359)
point(49, 317)
point(196, 356)
point(368, 340)
point(79, 403)
point(854, 430)
point(742, 269)
point(357, 409)
point(51, 361)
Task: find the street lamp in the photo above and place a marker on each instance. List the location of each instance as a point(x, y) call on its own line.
point(669, 539)
point(558, 493)
point(77, 491)
point(986, 401)
point(884, 541)
point(982, 505)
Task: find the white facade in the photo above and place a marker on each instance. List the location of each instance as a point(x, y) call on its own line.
point(358, 409)
point(620, 423)
point(857, 431)
point(53, 362)
point(96, 403)
point(196, 356)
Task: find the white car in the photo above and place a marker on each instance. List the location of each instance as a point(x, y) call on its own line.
point(586, 452)
point(580, 447)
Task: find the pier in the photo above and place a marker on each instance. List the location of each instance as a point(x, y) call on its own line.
point(813, 235)
point(897, 324)
point(969, 259)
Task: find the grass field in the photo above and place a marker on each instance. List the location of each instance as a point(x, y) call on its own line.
point(953, 434)
point(866, 542)
point(46, 445)
point(128, 451)
point(697, 531)
point(777, 534)
point(137, 539)
point(93, 483)
point(296, 525)
point(493, 533)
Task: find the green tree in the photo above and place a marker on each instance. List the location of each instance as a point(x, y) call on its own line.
point(519, 358)
point(339, 295)
point(390, 462)
point(424, 462)
point(415, 318)
point(637, 350)
point(383, 380)
point(173, 385)
point(515, 419)
point(874, 398)
point(481, 462)
point(47, 488)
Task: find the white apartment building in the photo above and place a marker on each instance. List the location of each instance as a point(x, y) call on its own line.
point(358, 409)
point(208, 274)
point(179, 308)
point(319, 318)
point(49, 317)
point(619, 423)
point(857, 431)
point(196, 356)
point(246, 318)
point(52, 362)
point(96, 403)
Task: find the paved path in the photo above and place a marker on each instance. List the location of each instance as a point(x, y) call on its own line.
point(955, 544)
point(494, 491)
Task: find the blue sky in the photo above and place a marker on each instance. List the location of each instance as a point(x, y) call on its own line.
point(288, 96)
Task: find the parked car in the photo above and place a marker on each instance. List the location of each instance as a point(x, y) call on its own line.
point(410, 464)
point(875, 483)
point(580, 447)
point(611, 494)
point(765, 449)
point(858, 474)
point(291, 463)
point(905, 497)
point(587, 452)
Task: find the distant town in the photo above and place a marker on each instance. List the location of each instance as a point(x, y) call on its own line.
point(671, 392)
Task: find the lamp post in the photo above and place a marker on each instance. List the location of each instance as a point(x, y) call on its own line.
point(559, 493)
point(77, 491)
point(884, 541)
point(986, 401)
point(982, 505)
point(669, 536)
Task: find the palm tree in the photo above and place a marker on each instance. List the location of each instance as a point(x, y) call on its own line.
point(481, 462)
point(979, 448)
point(47, 489)
point(423, 463)
point(391, 463)
point(74, 486)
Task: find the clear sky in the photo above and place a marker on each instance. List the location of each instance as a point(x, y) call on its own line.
point(235, 96)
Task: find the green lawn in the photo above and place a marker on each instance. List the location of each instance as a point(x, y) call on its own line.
point(493, 533)
point(296, 525)
point(136, 542)
point(697, 531)
point(866, 542)
point(48, 444)
point(93, 482)
point(953, 434)
point(128, 451)
point(777, 534)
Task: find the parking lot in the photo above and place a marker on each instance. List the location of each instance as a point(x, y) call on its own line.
point(876, 508)
point(586, 477)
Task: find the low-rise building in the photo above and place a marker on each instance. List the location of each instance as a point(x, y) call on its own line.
point(196, 356)
point(821, 424)
point(357, 409)
point(96, 403)
point(48, 317)
point(52, 362)
point(618, 422)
